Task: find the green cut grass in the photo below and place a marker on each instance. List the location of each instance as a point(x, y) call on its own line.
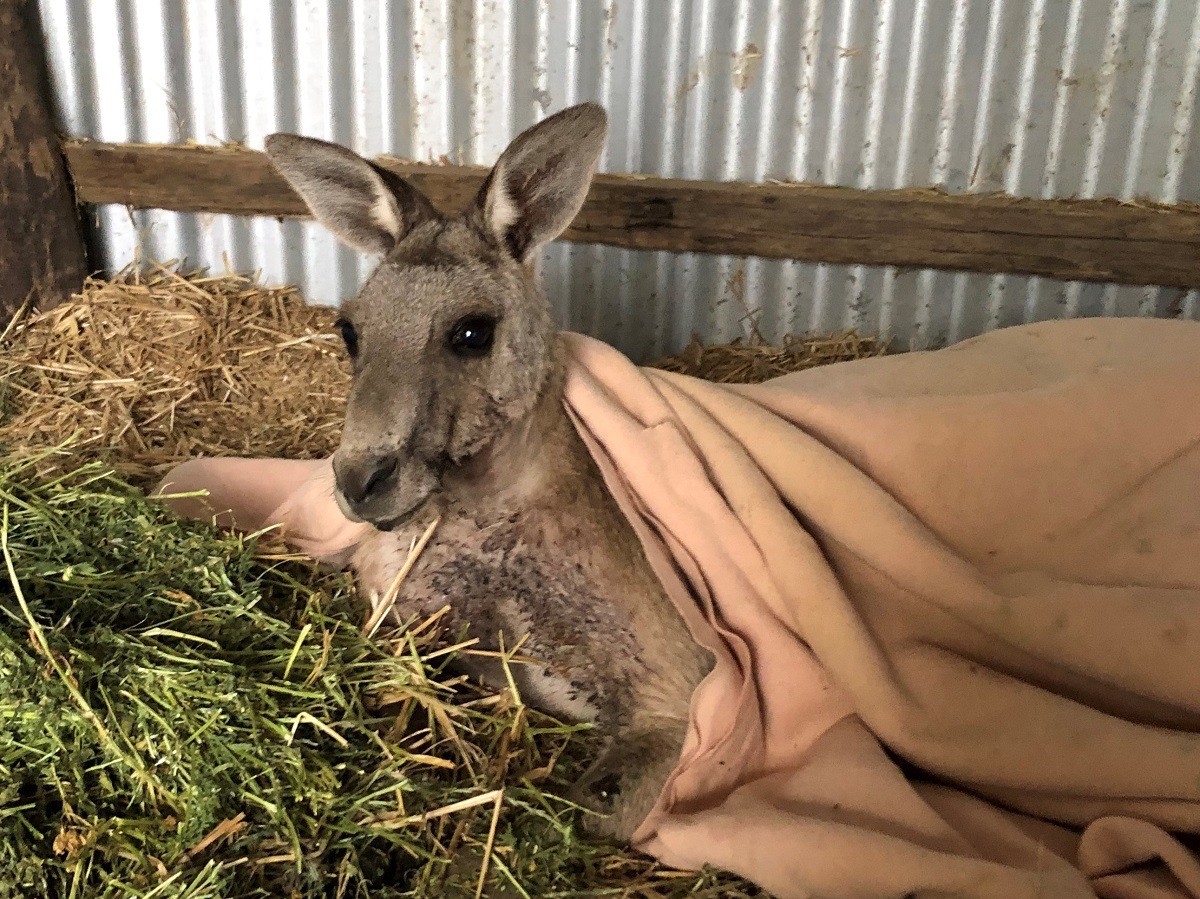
point(189, 713)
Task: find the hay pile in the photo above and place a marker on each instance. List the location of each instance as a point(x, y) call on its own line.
point(753, 363)
point(185, 713)
point(151, 369)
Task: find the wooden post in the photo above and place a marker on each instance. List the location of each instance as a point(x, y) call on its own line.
point(41, 238)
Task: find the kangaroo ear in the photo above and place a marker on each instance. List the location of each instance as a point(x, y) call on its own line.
point(366, 207)
point(540, 181)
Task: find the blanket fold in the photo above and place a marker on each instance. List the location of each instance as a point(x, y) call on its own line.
point(953, 597)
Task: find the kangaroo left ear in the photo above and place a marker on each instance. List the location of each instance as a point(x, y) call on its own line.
point(367, 207)
point(540, 182)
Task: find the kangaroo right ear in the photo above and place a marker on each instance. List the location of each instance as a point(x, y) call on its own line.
point(540, 181)
point(365, 206)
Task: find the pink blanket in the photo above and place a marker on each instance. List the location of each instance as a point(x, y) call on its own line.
point(954, 600)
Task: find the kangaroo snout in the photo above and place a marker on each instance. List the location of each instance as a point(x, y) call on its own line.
point(359, 478)
point(380, 488)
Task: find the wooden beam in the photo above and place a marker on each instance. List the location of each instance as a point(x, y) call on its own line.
point(41, 239)
point(1090, 240)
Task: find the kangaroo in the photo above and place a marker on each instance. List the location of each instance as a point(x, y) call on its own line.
point(456, 411)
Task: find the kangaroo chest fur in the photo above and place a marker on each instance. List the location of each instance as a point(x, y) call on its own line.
point(561, 568)
point(518, 576)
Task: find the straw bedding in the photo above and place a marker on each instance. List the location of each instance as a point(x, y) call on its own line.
point(148, 370)
point(188, 713)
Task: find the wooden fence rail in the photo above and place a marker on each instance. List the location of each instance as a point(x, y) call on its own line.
point(1091, 240)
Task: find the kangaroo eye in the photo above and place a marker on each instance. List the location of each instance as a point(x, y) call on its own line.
point(472, 336)
point(349, 336)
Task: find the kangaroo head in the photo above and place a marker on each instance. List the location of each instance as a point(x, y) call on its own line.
point(450, 337)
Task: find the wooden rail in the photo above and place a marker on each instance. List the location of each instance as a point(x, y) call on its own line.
point(1090, 240)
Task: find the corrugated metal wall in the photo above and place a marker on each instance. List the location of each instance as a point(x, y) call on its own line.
point(1037, 97)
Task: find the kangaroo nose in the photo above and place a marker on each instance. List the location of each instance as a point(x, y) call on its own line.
point(361, 478)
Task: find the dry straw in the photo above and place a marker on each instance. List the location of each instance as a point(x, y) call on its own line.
point(150, 369)
point(185, 713)
point(753, 363)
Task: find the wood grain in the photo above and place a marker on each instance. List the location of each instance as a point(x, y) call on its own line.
point(1090, 240)
point(41, 240)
